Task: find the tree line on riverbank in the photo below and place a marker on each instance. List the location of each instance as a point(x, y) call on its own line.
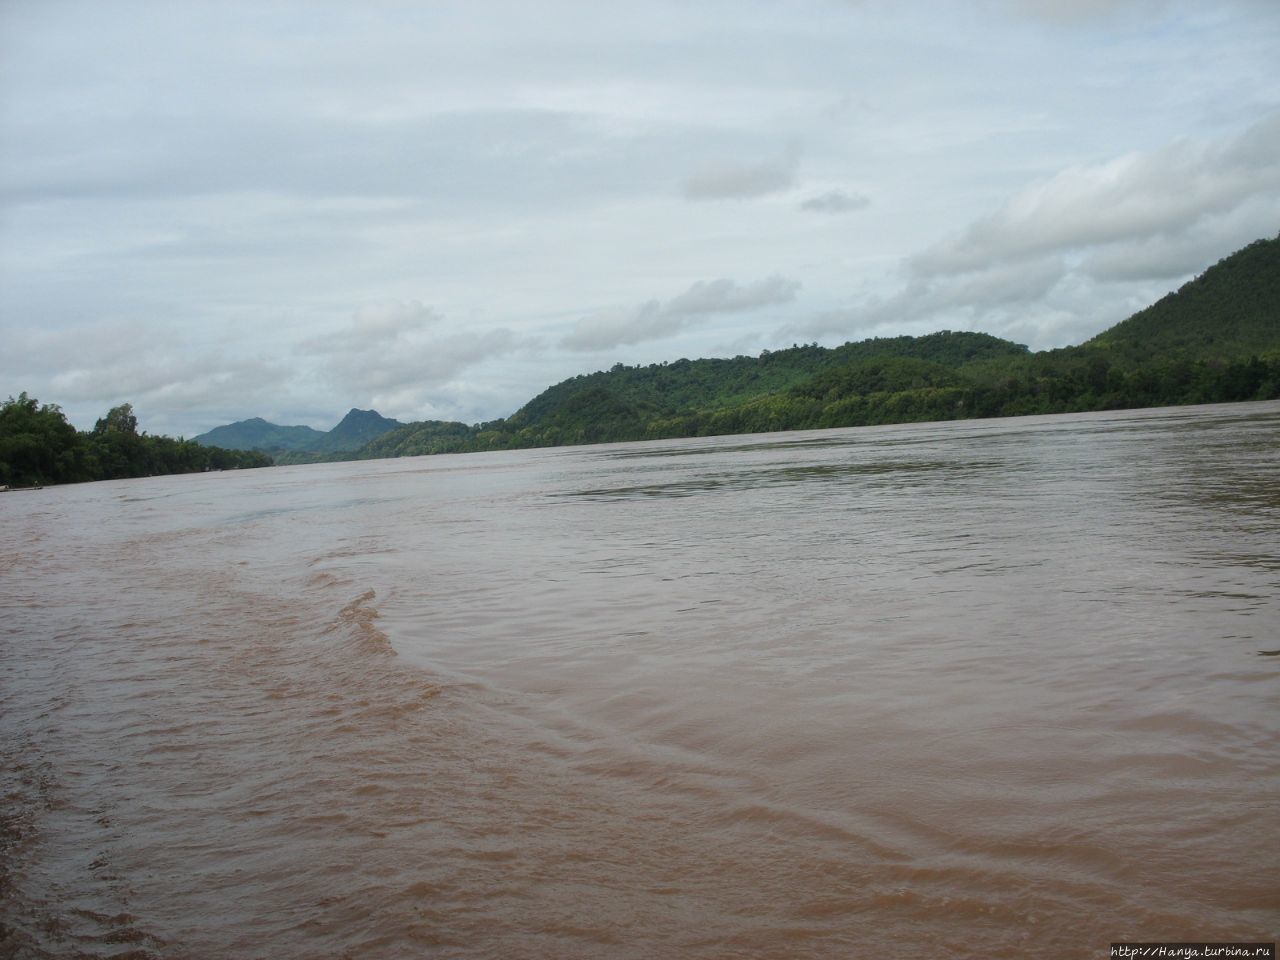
point(39, 446)
point(878, 390)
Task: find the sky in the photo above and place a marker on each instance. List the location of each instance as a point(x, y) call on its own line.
point(221, 210)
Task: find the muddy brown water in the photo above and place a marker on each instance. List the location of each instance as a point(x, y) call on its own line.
point(1001, 688)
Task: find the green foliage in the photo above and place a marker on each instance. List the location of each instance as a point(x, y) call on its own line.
point(881, 375)
point(621, 403)
point(38, 446)
point(356, 429)
point(258, 434)
point(118, 420)
point(742, 394)
point(1230, 312)
point(415, 439)
point(946, 347)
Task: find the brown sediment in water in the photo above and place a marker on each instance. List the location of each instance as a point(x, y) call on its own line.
point(846, 693)
point(360, 614)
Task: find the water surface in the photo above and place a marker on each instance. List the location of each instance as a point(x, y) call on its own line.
point(929, 690)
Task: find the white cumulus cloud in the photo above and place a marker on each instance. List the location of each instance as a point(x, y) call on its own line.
point(655, 319)
point(1164, 192)
point(402, 352)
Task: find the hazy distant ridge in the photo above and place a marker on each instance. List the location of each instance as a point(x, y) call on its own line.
point(356, 429)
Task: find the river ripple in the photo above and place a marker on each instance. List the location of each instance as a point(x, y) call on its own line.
point(936, 690)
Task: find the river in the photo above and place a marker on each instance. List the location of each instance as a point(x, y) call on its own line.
point(1000, 688)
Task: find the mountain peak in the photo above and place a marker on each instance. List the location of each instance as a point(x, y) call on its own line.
point(355, 413)
point(356, 429)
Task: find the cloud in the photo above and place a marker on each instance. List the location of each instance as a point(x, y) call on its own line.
point(389, 321)
point(166, 386)
point(1063, 259)
point(744, 181)
point(410, 380)
point(395, 354)
point(654, 320)
point(836, 201)
point(156, 383)
point(923, 304)
point(88, 367)
point(1168, 191)
point(1160, 257)
point(727, 296)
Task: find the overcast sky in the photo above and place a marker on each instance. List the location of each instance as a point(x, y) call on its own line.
point(286, 209)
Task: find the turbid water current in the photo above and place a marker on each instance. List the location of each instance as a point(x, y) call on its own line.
point(1005, 688)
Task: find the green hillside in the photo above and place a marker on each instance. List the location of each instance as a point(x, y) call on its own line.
point(1231, 311)
point(259, 434)
point(675, 399)
point(423, 436)
point(356, 429)
point(688, 385)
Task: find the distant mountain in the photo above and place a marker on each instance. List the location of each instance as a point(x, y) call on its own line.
point(356, 429)
point(258, 434)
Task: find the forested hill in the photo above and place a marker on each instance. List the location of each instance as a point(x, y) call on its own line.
point(258, 434)
point(1231, 311)
point(1216, 339)
point(662, 397)
point(687, 385)
point(356, 429)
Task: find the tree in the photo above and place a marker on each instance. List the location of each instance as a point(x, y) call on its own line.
point(37, 444)
point(118, 420)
